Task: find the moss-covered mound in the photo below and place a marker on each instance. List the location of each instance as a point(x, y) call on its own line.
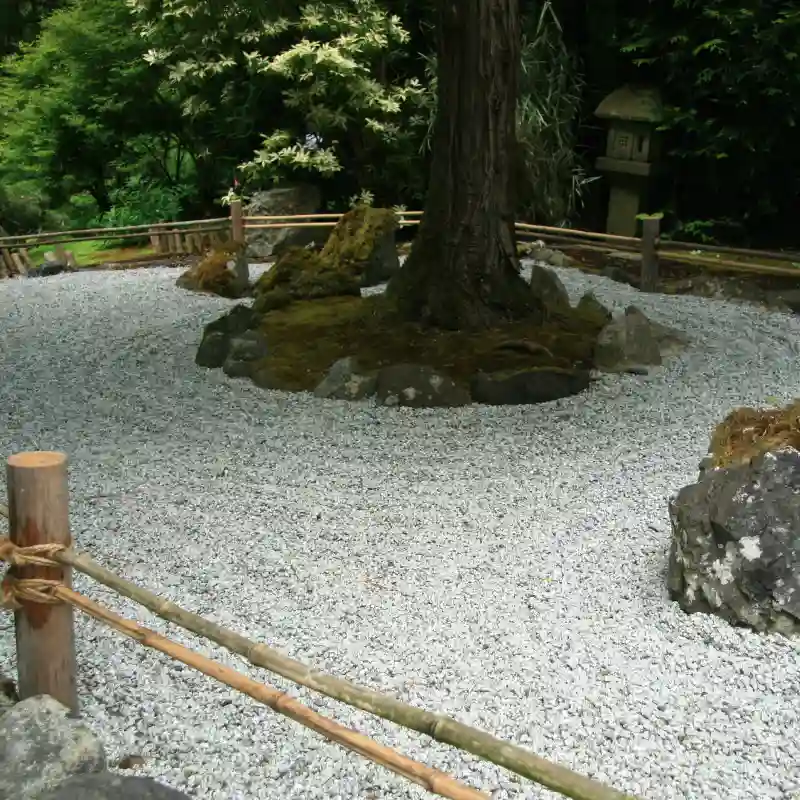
point(213, 275)
point(359, 251)
point(307, 337)
point(301, 274)
point(749, 432)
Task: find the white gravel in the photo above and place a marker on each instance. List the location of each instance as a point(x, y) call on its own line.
point(502, 565)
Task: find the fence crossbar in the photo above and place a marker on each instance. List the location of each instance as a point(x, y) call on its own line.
point(439, 727)
point(429, 778)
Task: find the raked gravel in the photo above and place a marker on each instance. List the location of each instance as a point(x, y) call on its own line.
point(502, 565)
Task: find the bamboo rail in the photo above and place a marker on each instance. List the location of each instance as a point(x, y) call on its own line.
point(110, 233)
point(433, 780)
point(439, 727)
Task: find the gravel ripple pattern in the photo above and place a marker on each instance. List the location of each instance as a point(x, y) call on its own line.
point(502, 565)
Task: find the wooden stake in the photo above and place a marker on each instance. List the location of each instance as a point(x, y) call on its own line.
point(242, 268)
point(650, 233)
point(38, 513)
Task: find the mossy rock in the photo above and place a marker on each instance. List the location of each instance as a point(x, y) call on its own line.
point(212, 275)
point(356, 254)
point(307, 337)
point(749, 432)
point(301, 274)
point(362, 244)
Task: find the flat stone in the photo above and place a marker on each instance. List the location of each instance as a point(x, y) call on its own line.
point(41, 747)
point(548, 286)
point(418, 386)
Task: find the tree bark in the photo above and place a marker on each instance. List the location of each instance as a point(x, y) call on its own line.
point(462, 272)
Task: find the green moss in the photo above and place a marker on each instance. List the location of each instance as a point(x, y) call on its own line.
point(307, 337)
point(212, 275)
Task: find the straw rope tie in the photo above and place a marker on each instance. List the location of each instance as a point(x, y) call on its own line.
point(33, 590)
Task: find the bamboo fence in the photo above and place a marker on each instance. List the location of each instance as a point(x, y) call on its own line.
point(199, 236)
point(38, 587)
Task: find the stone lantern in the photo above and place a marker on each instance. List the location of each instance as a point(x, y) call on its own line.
point(631, 153)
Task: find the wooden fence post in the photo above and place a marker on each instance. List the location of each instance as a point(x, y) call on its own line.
point(651, 227)
point(38, 513)
point(239, 243)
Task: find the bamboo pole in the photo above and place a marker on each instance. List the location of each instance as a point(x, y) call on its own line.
point(566, 241)
point(771, 255)
point(109, 233)
point(239, 238)
point(721, 265)
point(433, 780)
point(262, 226)
point(44, 237)
point(437, 726)
point(300, 217)
point(38, 514)
point(604, 237)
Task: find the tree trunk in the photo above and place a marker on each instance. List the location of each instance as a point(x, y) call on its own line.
point(462, 272)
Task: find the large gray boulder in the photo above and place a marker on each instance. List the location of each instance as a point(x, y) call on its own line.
point(632, 342)
point(736, 544)
point(268, 243)
point(215, 345)
point(41, 747)
point(106, 786)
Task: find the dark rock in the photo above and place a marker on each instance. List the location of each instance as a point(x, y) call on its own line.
point(528, 386)
point(382, 262)
point(736, 544)
point(284, 201)
point(619, 275)
point(262, 376)
point(346, 380)
point(631, 342)
point(548, 286)
point(106, 786)
point(213, 350)
point(217, 336)
point(47, 269)
point(418, 386)
point(41, 747)
point(248, 346)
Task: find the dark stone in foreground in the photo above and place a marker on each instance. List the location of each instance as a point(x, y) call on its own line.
point(106, 786)
point(736, 544)
point(347, 380)
point(529, 386)
point(219, 335)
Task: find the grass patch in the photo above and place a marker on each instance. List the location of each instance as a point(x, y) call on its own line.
point(307, 337)
point(90, 254)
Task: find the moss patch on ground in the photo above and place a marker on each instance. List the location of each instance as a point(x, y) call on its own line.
point(748, 432)
point(307, 337)
point(94, 253)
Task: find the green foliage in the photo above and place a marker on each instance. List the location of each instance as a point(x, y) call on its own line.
point(729, 73)
point(80, 109)
point(551, 177)
point(323, 98)
point(139, 202)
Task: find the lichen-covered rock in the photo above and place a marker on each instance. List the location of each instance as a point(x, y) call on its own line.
point(632, 341)
point(362, 245)
point(41, 747)
point(347, 380)
point(214, 274)
point(106, 786)
point(528, 386)
point(736, 544)
point(266, 243)
point(418, 386)
point(548, 286)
